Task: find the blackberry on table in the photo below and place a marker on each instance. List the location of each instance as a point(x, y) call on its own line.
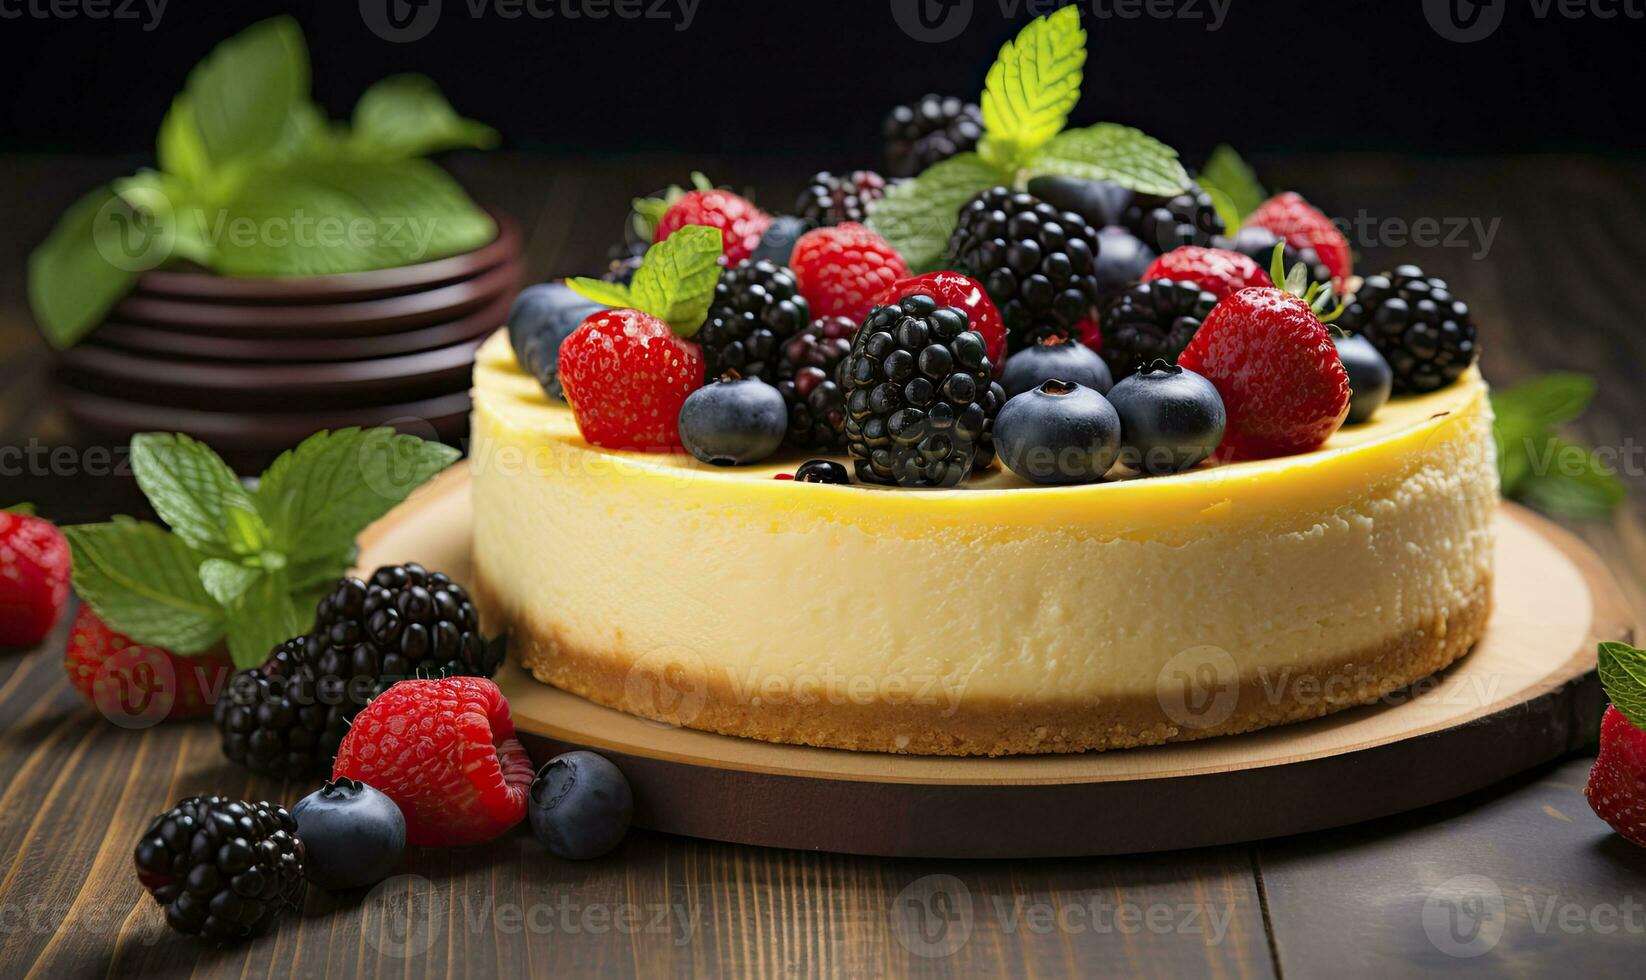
point(1420, 328)
point(1154, 319)
point(282, 718)
point(1165, 223)
point(830, 200)
point(1037, 263)
point(920, 395)
point(223, 869)
point(756, 307)
point(932, 129)
point(810, 386)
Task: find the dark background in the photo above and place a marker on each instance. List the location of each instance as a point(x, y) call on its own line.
point(814, 79)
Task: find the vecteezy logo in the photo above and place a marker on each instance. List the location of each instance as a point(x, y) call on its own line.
point(1199, 687)
point(932, 21)
point(135, 692)
point(402, 916)
point(1464, 916)
point(1464, 21)
point(668, 686)
point(135, 231)
point(932, 916)
point(400, 21)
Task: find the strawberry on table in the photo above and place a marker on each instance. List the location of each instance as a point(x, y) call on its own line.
point(1215, 270)
point(740, 223)
point(1303, 225)
point(134, 682)
point(34, 577)
point(1617, 784)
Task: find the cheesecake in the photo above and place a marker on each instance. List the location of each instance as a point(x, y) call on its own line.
point(994, 619)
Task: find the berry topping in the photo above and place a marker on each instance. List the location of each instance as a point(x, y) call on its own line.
point(831, 200)
point(822, 471)
point(810, 387)
point(283, 718)
point(126, 680)
point(935, 128)
point(777, 244)
point(1152, 321)
point(1617, 784)
point(741, 224)
point(1122, 258)
point(541, 318)
point(444, 751)
point(1170, 419)
point(1165, 223)
point(1284, 389)
point(1258, 244)
point(845, 269)
point(34, 578)
point(756, 307)
point(1058, 433)
point(1216, 271)
point(1100, 202)
point(920, 395)
point(223, 869)
point(954, 289)
point(580, 806)
point(1055, 358)
point(1304, 226)
point(1370, 379)
point(352, 834)
point(626, 375)
point(623, 260)
point(733, 421)
point(1420, 328)
point(1036, 262)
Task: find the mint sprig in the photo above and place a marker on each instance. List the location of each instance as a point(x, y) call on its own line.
point(675, 281)
point(1537, 465)
point(1028, 94)
point(1233, 187)
point(1623, 676)
point(240, 566)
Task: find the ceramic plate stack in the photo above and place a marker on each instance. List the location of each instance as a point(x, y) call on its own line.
point(252, 366)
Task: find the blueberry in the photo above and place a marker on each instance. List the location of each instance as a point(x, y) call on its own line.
point(580, 806)
point(1370, 377)
point(822, 471)
point(1122, 258)
point(1059, 358)
point(734, 421)
point(1098, 201)
point(1170, 418)
point(352, 834)
point(542, 316)
point(777, 244)
point(1058, 433)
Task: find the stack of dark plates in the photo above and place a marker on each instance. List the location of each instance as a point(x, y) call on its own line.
point(253, 366)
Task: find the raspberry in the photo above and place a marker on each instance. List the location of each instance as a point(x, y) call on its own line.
point(1303, 226)
point(444, 751)
point(1617, 784)
point(1212, 269)
point(125, 679)
point(1277, 369)
point(954, 289)
point(845, 269)
point(626, 376)
point(34, 578)
point(741, 224)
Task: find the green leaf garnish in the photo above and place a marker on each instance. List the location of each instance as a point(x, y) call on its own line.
point(144, 581)
point(25, 509)
point(406, 116)
point(245, 88)
point(1032, 86)
point(71, 283)
point(601, 291)
point(917, 216)
point(1622, 671)
point(1540, 467)
point(1230, 178)
point(193, 491)
point(675, 281)
point(1112, 152)
point(262, 618)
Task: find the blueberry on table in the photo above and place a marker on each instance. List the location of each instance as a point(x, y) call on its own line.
point(1058, 358)
point(542, 316)
point(353, 834)
point(580, 806)
point(1058, 434)
point(1170, 418)
point(734, 421)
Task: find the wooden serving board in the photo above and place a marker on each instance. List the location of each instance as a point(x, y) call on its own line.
point(1525, 695)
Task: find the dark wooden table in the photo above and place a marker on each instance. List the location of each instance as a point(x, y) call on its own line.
point(1522, 880)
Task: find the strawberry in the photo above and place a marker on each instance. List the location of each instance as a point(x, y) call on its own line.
point(626, 375)
point(34, 578)
point(1215, 270)
point(741, 224)
point(1616, 790)
point(134, 684)
point(845, 270)
point(1274, 363)
point(954, 289)
point(1303, 225)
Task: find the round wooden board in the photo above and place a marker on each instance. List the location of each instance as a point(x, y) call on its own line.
point(1525, 695)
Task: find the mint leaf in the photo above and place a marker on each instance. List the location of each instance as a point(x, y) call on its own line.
point(917, 216)
point(25, 509)
point(1112, 152)
point(649, 212)
point(1226, 174)
point(179, 147)
point(1571, 483)
point(676, 279)
point(191, 488)
point(1623, 676)
point(610, 293)
point(72, 285)
point(406, 116)
point(242, 92)
point(317, 497)
point(262, 618)
point(1032, 86)
point(1549, 399)
point(226, 581)
point(145, 582)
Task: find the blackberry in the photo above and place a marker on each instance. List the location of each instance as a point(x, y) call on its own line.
point(822, 471)
point(830, 200)
point(920, 395)
point(1165, 223)
point(756, 307)
point(810, 385)
point(1154, 319)
point(280, 718)
point(223, 869)
point(623, 260)
point(1037, 263)
point(1420, 328)
point(935, 128)
point(1259, 245)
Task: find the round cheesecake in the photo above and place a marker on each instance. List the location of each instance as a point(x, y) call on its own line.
point(996, 619)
